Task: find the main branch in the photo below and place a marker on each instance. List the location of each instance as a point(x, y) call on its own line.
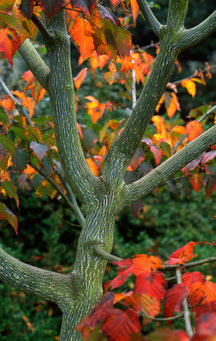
point(47, 284)
point(61, 91)
point(149, 182)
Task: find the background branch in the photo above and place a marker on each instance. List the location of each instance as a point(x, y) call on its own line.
point(186, 311)
point(21, 109)
point(191, 264)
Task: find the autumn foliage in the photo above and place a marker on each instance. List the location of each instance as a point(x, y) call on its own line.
point(155, 297)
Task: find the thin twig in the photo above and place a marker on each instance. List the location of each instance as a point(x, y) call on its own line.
point(71, 196)
point(186, 311)
point(66, 221)
point(54, 184)
point(21, 109)
point(194, 75)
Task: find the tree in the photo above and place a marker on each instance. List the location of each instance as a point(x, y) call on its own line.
point(102, 197)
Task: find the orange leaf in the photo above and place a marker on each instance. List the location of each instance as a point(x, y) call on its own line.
point(114, 124)
point(190, 86)
point(159, 103)
point(144, 263)
point(173, 105)
point(9, 43)
point(193, 129)
point(82, 33)
point(92, 165)
point(135, 9)
point(80, 78)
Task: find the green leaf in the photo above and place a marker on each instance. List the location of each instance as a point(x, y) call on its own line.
point(21, 159)
point(6, 214)
point(11, 190)
point(47, 165)
point(7, 143)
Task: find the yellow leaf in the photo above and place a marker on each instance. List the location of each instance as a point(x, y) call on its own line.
point(190, 86)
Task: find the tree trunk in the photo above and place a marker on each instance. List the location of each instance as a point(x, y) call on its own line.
point(89, 267)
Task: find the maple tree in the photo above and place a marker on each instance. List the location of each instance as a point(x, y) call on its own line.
point(70, 162)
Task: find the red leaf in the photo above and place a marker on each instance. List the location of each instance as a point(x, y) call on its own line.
point(119, 325)
point(193, 164)
point(156, 151)
point(174, 298)
point(99, 313)
point(207, 157)
point(158, 154)
point(153, 284)
point(193, 129)
point(190, 278)
point(125, 269)
point(196, 181)
point(137, 159)
point(182, 255)
point(205, 326)
point(51, 7)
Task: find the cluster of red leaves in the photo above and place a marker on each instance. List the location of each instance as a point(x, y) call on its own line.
point(152, 296)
